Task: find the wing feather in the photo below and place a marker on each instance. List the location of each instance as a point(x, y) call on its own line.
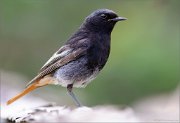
point(59, 61)
point(63, 51)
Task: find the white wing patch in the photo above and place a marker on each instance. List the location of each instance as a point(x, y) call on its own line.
point(55, 55)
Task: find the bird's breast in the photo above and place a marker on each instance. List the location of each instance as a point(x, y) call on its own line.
point(98, 53)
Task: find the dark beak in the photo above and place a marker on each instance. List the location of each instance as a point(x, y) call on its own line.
point(118, 19)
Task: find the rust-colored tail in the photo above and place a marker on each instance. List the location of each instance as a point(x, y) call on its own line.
point(44, 81)
point(26, 91)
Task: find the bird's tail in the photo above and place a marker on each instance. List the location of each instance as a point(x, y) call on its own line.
point(27, 90)
point(44, 81)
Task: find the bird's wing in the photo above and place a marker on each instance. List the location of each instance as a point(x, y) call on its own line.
point(63, 56)
point(63, 51)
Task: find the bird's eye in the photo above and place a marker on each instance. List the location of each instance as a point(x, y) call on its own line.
point(103, 16)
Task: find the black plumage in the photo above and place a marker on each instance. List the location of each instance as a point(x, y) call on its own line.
point(83, 55)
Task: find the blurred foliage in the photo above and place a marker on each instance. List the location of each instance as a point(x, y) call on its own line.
point(144, 57)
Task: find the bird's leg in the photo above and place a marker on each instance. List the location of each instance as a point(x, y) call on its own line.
point(69, 89)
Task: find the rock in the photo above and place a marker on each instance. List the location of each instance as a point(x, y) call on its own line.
point(54, 113)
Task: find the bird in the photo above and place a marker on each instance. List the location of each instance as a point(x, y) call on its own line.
point(81, 58)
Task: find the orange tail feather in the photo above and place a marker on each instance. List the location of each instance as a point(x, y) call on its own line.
point(26, 91)
point(44, 81)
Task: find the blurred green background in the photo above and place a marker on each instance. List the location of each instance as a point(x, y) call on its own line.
point(144, 57)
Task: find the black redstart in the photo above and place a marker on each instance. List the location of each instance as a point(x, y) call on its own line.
point(81, 58)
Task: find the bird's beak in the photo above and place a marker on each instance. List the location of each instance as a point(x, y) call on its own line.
point(118, 19)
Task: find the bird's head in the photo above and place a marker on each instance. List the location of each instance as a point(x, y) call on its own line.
point(102, 20)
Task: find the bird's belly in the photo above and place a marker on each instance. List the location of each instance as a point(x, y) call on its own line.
point(76, 73)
